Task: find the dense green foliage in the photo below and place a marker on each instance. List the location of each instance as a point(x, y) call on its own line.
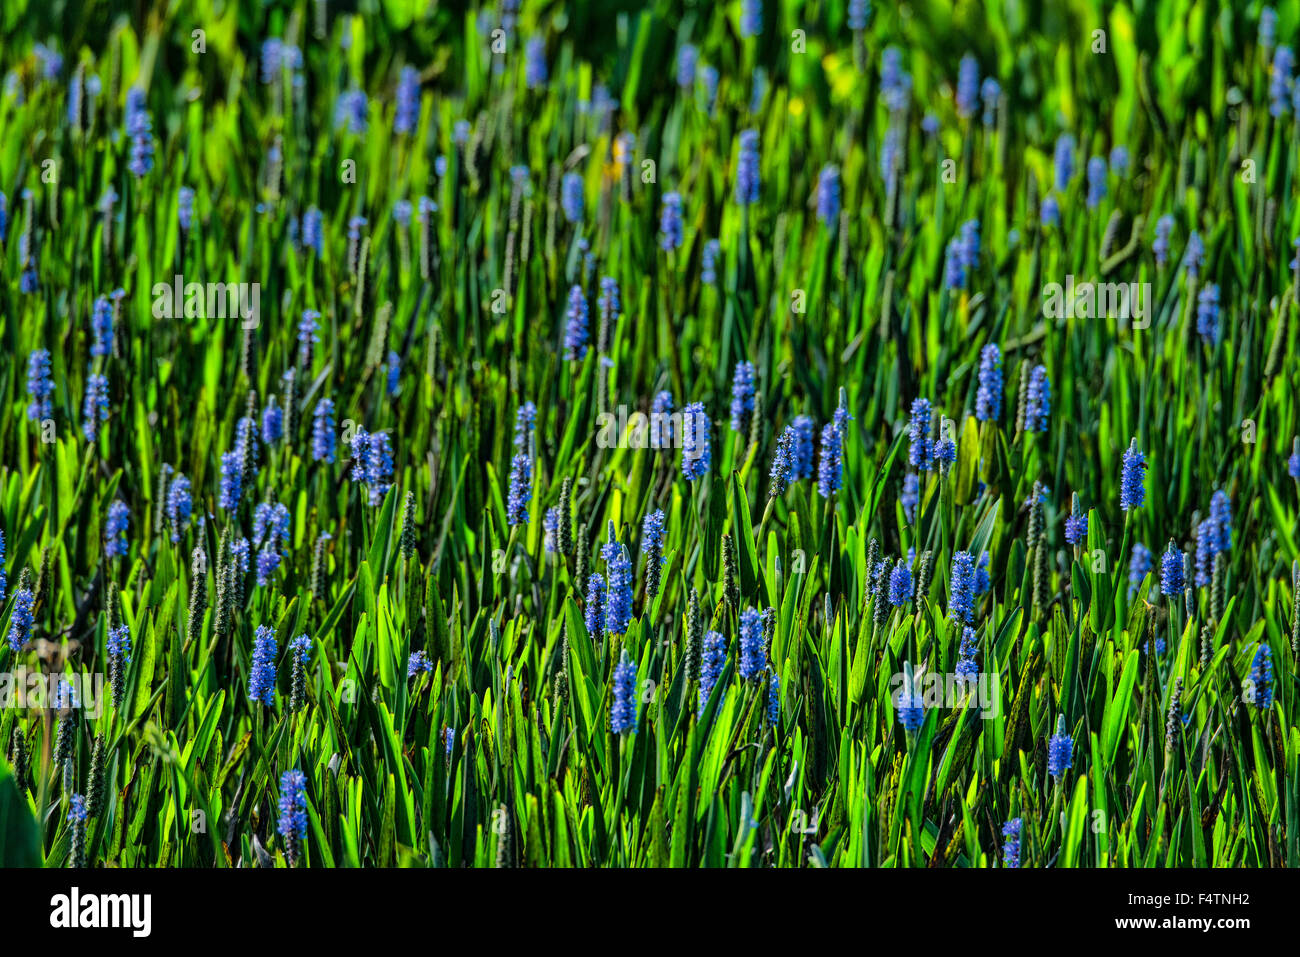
point(186, 769)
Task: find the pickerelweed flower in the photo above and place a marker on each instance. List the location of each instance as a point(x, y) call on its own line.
point(618, 596)
point(967, 669)
point(990, 90)
point(1119, 160)
point(101, 327)
point(300, 652)
point(920, 454)
point(891, 70)
point(21, 619)
point(697, 448)
point(521, 489)
point(352, 112)
point(1139, 566)
point(830, 466)
point(968, 248)
point(231, 480)
point(313, 232)
point(982, 582)
point(945, 453)
point(525, 419)
point(652, 546)
point(4, 581)
point(1261, 679)
point(1011, 842)
point(272, 423)
point(185, 208)
point(751, 18)
point(268, 562)
point(661, 423)
point(968, 82)
point(1096, 181)
point(246, 444)
point(608, 301)
point(782, 461)
point(261, 678)
point(571, 198)
point(1063, 161)
point(909, 706)
point(742, 396)
point(1172, 577)
point(900, 584)
point(1221, 521)
point(272, 59)
point(911, 496)
point(747, 176)
point(95, 409)
point(1038, 407)
point(712, 659)
point(417, 663)
point(954, 276)
point(753, 656)
point(1049, 214)
point(1207, 314)
point(1160, 245)
point(688, 58)
point(372, 455)
point(709, 262)
point(407, 113)
point(961, 589)
point(988, 398)
point(1132, 480)
point(709, 80)
point(891, 152)
point(293, 812)
point(118, 646)
point(1204, 552)
point(773, 698)
point(1076, 523)
point(622, 712)
point(271, 525)
point(1279, 81)
point(670, 222)
point(180, 505)
point(239, 553)
point(402, 210)
point(551, 529)
point(801, 459)
point(594, 607)
point(1060, 750)
point(576, 332)
point(323, 440)
point(139, 127)
point(1194, 255)
point(1293, 462)
point(1267, 28)
point(40, 385)
point(828, 196)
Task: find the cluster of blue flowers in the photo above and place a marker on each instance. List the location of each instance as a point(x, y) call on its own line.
point(261, 678)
